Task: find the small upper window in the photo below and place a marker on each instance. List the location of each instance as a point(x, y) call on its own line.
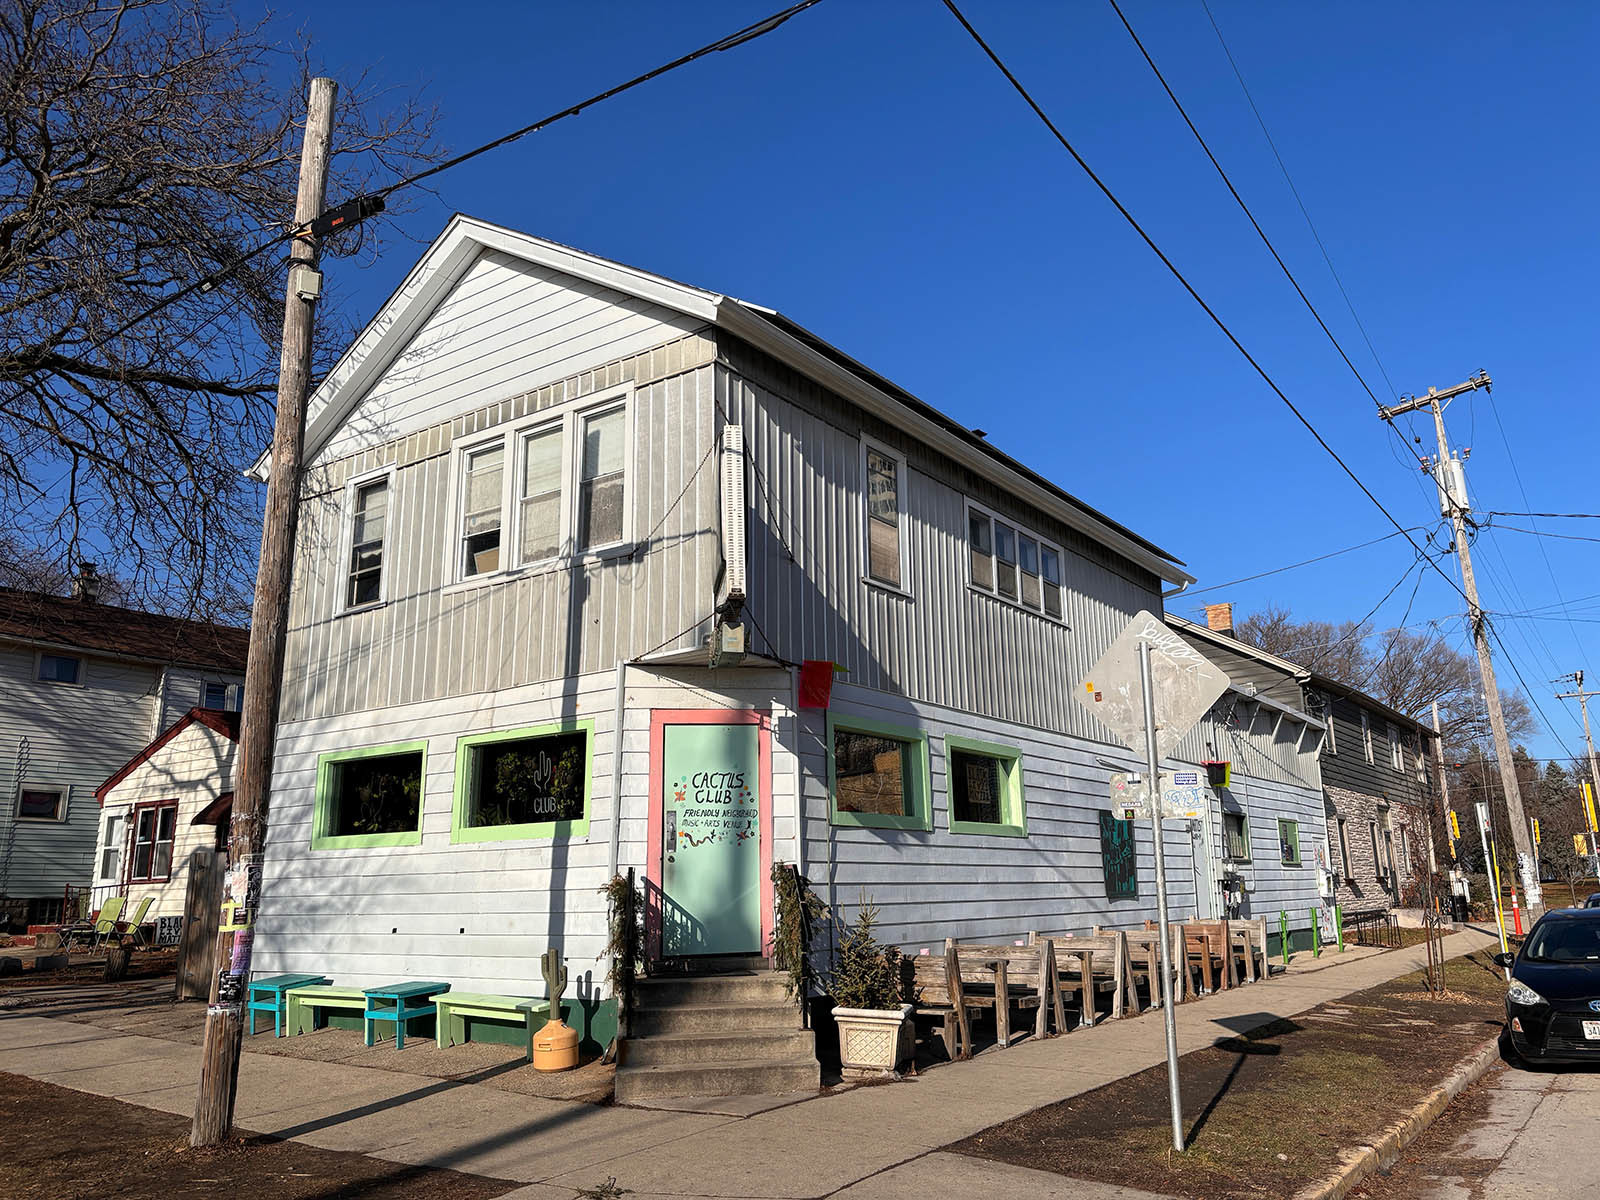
point(60, 668)
point(540, 527)
point(980, 543)
point(42, 802)
point(883, 517)
point(222, 696)
point(1366, 735)
point(1014, 564)
point(369, 518)
point(1236, 833)
point(1327, 715)
point(1397, 753)
point(480, 511)
point(600, 487)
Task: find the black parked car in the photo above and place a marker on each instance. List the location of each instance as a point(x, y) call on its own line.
point(1593, 901)
point(1553, 1004)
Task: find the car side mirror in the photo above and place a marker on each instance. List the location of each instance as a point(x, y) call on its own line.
point(1505, 960)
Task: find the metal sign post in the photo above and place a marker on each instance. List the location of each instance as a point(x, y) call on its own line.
point(1149, 689)
point(1168, 1013)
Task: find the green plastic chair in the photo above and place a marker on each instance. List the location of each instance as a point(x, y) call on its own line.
point(134, 923)
point(106, 923)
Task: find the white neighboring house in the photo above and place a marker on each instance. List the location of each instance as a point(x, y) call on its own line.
point(172, 798)
point(84, 687)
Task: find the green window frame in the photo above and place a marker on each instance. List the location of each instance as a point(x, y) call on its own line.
point(1244, 837)
point(1014, 814)
point(915, 782)
point(467, 777)
point(322, 812)
point(1289, 841)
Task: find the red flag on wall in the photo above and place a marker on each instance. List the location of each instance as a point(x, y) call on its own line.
point(816, 683)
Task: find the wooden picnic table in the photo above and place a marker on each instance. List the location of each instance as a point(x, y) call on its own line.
point(394, 1002)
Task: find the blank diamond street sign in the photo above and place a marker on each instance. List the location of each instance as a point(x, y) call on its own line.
point(1186, 685)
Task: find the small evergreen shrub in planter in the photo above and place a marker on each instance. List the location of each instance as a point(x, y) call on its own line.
point(875, 1031)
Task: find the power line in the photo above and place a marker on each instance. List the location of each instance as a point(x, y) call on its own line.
point(1305, 562)
point(1566, 537)
point(1561, 516)
point(738, 38)
point(1243, 207)
point(1311, 225)
point(1187, 286)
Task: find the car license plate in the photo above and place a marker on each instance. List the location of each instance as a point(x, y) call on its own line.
point(1591, 1030)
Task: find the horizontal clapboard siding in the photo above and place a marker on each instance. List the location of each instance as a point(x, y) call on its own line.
point(76, 736)
point(480, 914)
point(942, 642)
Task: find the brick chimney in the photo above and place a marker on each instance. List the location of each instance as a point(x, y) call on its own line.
point(86, 583)
point(1219, 617)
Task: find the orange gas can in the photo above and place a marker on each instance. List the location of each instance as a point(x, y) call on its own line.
point(555, 1047)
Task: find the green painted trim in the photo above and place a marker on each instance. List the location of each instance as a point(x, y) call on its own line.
point(466, 766)
point(1016, 823)
point(921, 817)
point(1299, 859)
point(323, 840)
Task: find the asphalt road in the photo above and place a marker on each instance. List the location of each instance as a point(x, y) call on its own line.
point(1519, 1134)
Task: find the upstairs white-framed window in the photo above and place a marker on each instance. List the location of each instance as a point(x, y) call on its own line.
point(1397, 752)
point(224, 697)
point(885, 473)
point(368, 507)
point(1013, 563)
point(58, 668)
point(548, 489)
point(42, 802)
point(1366, 735)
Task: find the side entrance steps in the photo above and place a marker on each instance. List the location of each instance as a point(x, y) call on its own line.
point(732, 1034)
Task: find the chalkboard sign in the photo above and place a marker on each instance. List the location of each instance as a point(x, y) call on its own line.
point(167, 930)
point(1117, 858)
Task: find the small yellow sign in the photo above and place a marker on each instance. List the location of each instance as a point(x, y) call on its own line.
point(1455, 828)
point(1580, 844)
point(1536, 831)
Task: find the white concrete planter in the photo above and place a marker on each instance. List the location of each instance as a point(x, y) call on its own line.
point(872, 1039)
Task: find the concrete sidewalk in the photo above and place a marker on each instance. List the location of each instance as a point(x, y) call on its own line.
point(870, 1143)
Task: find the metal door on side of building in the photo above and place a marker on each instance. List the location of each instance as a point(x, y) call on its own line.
point(711, 777)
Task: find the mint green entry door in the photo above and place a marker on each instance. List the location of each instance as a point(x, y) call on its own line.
point(711, 839)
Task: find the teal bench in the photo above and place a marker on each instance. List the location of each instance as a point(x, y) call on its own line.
point(455, 1009)
point(266, 995)
point(307, 1004)
point(399, 1002)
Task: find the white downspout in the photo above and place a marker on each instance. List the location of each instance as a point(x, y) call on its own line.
point(617, 711)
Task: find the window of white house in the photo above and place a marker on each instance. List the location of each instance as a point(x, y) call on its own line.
point(1014, 564)
point(540, 496)
point(1397, 754)
point(59, 668)
point(221, 696)
point(370, 797)
point(1366, 735)
point(1344, 849)
point(42, 802)
point(1236, 836)
point(532, 782)
point(1289, 841)
point(884, 512)
point(600, 486)
point(368, 521)
point(480, 511)
point(111, 846)
point(154, 829)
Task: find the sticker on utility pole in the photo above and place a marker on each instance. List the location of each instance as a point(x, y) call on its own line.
point(1184, 682)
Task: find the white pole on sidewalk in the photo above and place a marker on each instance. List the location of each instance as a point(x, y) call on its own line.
point(1494, 884)
point(1153, 791)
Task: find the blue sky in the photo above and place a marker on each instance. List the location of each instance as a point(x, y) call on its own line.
point(866, 171)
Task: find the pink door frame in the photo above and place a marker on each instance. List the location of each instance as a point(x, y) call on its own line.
point(660, 718)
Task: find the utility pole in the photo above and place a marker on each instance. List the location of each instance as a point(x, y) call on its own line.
point(1449, 474)
point(219, 1071)
point(1582, 697)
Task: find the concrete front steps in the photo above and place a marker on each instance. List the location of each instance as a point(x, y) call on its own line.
point(731, 1034)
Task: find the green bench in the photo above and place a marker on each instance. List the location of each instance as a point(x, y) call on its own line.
point(306, 1004)
point(455, 1009)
